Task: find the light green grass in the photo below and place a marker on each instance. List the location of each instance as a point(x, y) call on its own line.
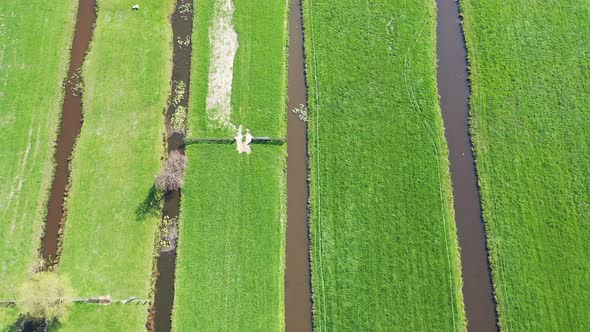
point(33, 66)
point(98, 318)
point(230, 265)
point(107, 247)
point(259, 81)
point(530, 104)
point(384, 249)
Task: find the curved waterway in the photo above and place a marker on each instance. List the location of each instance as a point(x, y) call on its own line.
point(70, 125)
point(298, 305)
point(182, 27)
point(453, 87)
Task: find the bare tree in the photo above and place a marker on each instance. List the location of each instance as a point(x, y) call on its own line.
point(172, 175)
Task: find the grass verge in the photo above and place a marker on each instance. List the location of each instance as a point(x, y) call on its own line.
point(32, 68)
point(530, 99)
point(108, 241)
point(384, 248)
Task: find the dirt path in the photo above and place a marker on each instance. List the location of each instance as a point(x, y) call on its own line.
point(182, 27)
point(71, 123)
point(298, 305)
point(453, 88)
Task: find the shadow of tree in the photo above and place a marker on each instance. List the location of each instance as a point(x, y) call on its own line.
point(151, 205)
point(25, 323)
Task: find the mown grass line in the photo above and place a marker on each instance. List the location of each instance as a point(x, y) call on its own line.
point(230, 264)
point(109, 231)
point(259, 79)
point(530, 105)
point(33, 66)
point(384, 248)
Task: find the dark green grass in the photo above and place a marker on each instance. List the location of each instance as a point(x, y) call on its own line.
point(230, 264)
point(109, 237)
point(530, 73)
point(259, 80)
point(384, 248)
point(34, 55)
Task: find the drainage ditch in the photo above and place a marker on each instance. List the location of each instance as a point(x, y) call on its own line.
point(298, 301)
point(70, 126)
point(453, 86)
point(176, 116)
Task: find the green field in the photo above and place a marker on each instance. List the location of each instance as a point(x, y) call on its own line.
point(232, 234)
point(231, 255)
point(32, 69)
point(384, 250)
point(259, 81)
point(530, 77)
point(109, 240)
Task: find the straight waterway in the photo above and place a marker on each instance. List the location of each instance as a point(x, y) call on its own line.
point(298, 305)
point(453, 87)
point(70, 126)
point(182, 27)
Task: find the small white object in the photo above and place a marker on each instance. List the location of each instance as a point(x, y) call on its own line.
point(136, 7)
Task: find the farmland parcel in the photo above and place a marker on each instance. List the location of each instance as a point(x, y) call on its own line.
point(109, 231)
point(530, 104)
point(231, 244)
point(384, 249)
point(32, 69)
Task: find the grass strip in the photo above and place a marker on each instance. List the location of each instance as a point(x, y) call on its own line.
point(230, 264)
point(32, 68)
point(259, 77)
point(530, 99)
point(384, 248)
point(109, 232)
point(108, 318)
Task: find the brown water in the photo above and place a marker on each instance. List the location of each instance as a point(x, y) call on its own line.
point(182, 25)
point(71, 123)
point(298, 305)
point(453, 86)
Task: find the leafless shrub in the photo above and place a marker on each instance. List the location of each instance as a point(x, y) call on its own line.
point(172, 175)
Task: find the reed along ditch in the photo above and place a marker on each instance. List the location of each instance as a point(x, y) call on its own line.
point(298, 302)
point(182, 27)
point(453, 87)
point(70, 126)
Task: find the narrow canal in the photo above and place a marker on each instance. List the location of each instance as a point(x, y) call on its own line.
point(182, 27)
point(70, 126)
point(453, 87)
point(298, 305)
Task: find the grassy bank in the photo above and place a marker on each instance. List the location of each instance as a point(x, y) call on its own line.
point(259, 80)
point(231, 254)
point(33, 66)
point(531, 96)
point(231, 245)
point(109, 232)
point(384, 249)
